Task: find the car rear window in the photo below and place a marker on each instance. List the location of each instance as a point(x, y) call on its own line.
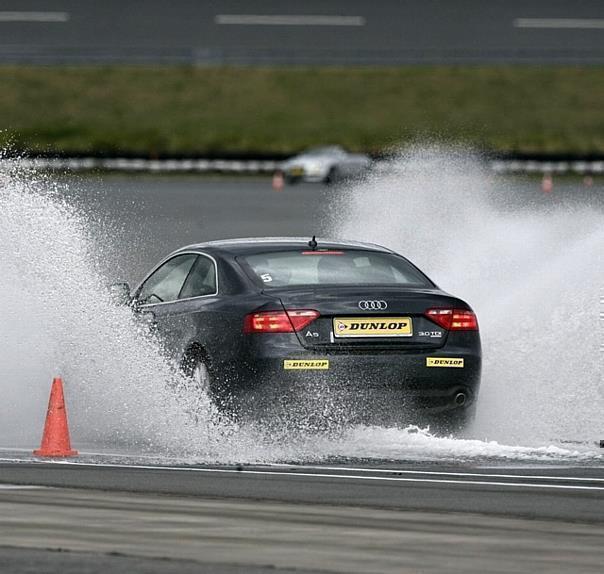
point(333, 267)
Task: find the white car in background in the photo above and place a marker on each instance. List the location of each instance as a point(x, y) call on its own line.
point(324, 164)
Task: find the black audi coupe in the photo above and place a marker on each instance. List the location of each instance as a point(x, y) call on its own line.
point(262, 321)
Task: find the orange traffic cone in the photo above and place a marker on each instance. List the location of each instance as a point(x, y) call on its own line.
point(278, 181)
point(55, 440)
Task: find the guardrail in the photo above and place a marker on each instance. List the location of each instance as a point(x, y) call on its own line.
point(141, 165)
point(145, 165)
point(39, 54)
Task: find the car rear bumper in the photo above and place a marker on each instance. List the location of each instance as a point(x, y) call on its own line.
point(301, 174)
point(408, 378)
point(305, 178)
point(430, 380)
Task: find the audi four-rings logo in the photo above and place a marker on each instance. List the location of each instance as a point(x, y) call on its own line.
point(373, 305)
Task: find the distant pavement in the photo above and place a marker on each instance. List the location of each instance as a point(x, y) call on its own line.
point(272, 32)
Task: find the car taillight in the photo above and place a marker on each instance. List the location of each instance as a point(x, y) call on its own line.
point(289, 321)
point(453, 319)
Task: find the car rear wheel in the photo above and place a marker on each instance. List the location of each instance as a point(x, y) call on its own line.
point(201, 384)
point(213, 389)
point(201, 376)
point(332, 176)
point(292, 179)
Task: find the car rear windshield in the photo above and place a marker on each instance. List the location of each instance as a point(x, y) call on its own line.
point(333, 267)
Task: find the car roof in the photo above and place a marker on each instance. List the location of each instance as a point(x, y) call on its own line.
point(324, 150)
point(245, 245)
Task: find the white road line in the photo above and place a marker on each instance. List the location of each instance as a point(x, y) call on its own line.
point(34, 16)
point(319, 467)
point(20, 487)
point(438, 473)
point(560, 23)
point(287, 20)
point(266, 473)
point(106, 455)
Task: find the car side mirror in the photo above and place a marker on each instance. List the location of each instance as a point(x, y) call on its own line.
point(120, 293)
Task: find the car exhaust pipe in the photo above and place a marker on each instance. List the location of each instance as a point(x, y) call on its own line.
point(460, 399)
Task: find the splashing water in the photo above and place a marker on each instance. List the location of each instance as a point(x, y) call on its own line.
point(57, 318)
point(533, 276)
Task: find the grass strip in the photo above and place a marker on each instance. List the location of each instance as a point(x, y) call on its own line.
point(198, 111)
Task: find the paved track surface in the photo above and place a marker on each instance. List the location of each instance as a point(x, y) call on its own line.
point(154, 215)
point(312, 32)
point(333, 519)
point(565, 493)
point(65, 560)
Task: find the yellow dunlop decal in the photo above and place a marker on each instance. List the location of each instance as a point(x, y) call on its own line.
point(300, 364)
point(444, 362)
point(372, 327)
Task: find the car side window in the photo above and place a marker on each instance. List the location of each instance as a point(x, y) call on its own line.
point(201, 280)
point(165, 283)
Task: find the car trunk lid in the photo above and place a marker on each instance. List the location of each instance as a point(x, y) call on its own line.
point(354, 318)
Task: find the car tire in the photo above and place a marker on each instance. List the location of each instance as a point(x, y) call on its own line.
point(195, 368)
point(332, 176)
point(201, 376)
point(198, 371)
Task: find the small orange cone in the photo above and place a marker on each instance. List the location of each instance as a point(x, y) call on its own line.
point(55, 440)
point(278, 181)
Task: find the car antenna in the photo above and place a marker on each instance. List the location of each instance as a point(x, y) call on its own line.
point(313, 243)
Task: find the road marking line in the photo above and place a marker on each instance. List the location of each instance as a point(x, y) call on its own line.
point(22, 487)
point(323, 467)
point(560, 23)
point(436, 473)
point(287, 20)
point(326, 476)
point(106, 455)
point(34, 16)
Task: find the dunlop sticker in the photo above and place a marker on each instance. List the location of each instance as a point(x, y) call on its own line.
point(299, 364)
point(444, 362)
point(372, 327)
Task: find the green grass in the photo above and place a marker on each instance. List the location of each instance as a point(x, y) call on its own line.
point(183, 110)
